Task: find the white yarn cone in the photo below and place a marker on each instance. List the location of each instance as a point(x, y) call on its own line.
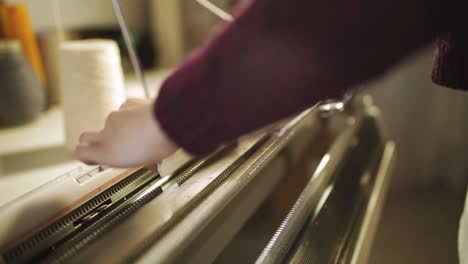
point(92, 85)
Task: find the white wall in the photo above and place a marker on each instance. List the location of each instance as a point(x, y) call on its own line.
point(428, 122)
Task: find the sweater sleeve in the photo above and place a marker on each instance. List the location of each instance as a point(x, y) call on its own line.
point(279, 57)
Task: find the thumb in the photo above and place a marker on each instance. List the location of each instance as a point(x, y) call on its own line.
point(89, 153)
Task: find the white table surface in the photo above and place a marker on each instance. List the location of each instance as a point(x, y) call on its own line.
point(45, 132)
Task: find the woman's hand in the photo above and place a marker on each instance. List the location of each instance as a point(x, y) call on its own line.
point(131, 138)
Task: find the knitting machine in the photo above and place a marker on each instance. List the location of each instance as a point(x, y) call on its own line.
point(306, 190)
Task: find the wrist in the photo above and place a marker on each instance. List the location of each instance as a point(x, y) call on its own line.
point(164, 142)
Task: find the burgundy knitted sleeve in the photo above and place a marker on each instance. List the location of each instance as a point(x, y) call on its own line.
point(279, 57)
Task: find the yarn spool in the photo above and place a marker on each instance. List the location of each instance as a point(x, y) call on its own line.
point(49, 45)
point(92, 85)
point(2, 19)
point(19, 26)
point(21, 95)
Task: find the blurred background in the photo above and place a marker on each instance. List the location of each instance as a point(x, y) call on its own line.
point(429, 123)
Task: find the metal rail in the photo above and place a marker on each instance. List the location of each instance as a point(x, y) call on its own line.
point(309, 201)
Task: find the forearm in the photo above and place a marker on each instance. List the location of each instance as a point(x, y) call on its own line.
point(278, 58)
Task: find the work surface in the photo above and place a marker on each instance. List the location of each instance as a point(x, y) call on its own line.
point(32, 155)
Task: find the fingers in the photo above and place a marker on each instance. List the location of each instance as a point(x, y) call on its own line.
point(88, 148)
point(89, 153)
point(90, 138)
